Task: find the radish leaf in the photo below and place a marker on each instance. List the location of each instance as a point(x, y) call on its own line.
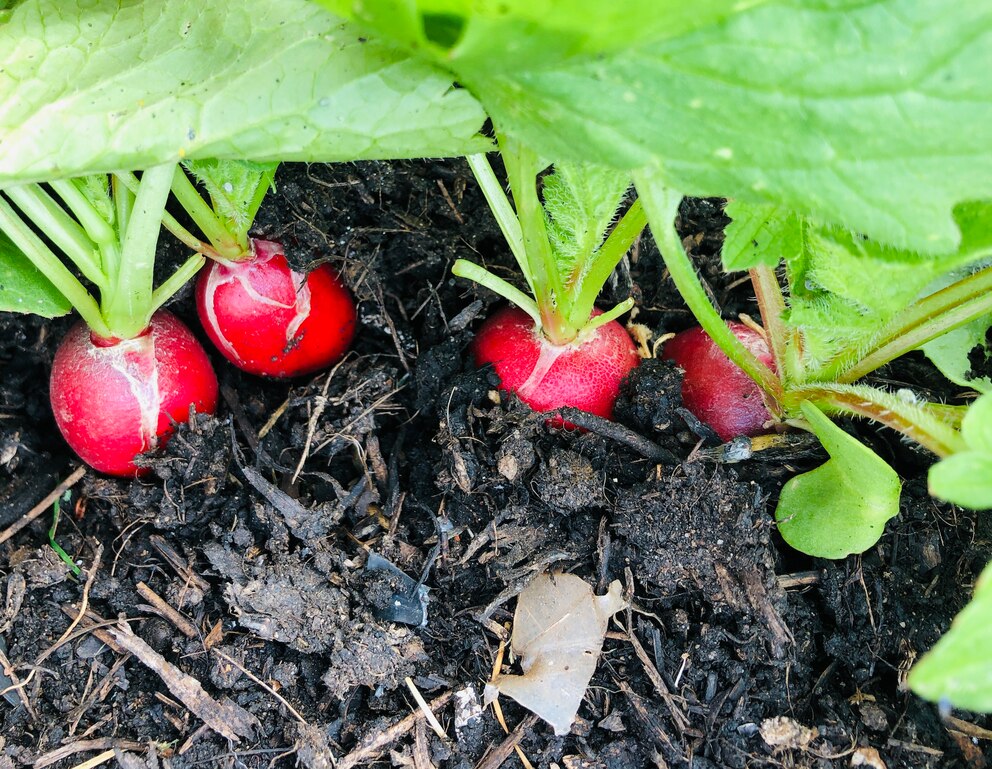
point(23, 288)
point(958, 670)
point(965, 478)
point(98, 85)
point(841, 507)
point(874, 115)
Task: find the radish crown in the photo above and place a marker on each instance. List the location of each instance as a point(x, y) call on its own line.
point(561, 240)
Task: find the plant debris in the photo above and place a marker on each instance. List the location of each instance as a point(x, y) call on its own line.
point(558, 632)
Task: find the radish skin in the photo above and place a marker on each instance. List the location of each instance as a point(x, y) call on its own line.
point(714, 389)
point(269, 320)
point(116, 399)
point(585, 374)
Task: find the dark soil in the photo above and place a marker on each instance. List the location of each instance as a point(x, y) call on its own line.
point(256, 526)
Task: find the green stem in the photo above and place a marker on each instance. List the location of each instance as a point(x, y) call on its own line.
point(223, 240)
point(64, 231)
point(914, 420)
point(171, 224)
point(264, 184)
point(96, 226)
point(606, 317)
point(129, 308)
point(51, 267)
point(482, 276)
point(926, 319)
point(176, 281)
point(522, 168)
point(605, 260)
point(771, 304)
point(506, 218)
point(662, 205)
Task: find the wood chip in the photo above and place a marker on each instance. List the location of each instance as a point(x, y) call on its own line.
point(226, 718)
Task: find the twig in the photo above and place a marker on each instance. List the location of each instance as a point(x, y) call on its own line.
point(680, 718)
point(96, 760)
point(67, 635)
point(380, 740)
point(618, 433)
point(261, 683)
point(164, 610)
point(226, 718)
point(502, 751)
point(81, 746)
point(44, 505)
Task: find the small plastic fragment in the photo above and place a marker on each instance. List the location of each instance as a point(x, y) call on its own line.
point(558, 632)
point(407, 599)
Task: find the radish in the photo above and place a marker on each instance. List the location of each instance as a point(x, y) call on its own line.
point(585, 373)
point(262, 315)
point(714, 389)
point(124, 376)
point(556, 349)
point(114, 399)
point(272, 321)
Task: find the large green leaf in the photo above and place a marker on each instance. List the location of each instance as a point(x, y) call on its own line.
point(23, 288)
point(875, 115)
point(841, 507)
point(92, 85)
point(528, 34)
point(958, 670)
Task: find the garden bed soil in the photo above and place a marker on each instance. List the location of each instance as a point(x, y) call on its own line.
point(230, 619)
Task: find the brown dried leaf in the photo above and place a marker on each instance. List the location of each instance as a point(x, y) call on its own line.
point(558, 632)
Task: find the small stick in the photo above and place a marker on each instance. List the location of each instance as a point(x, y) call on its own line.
point(44, 505)
point(502, 751)
point(431, 718)
point(617, 432)
point(83, 605)
point(96, 760)
point(261, 683)
point(80, 746)
point(380, 740)
point(164, 610)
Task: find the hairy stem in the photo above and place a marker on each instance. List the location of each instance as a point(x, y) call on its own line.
point(771, 304)
point(506, 218)
point(522, 168)
point(914, 420)
point(227, 244)
point(924, 320)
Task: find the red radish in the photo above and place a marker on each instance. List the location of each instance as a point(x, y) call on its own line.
point(714, 389)
point(585, 374)
point(114, 399)
point(271, 321)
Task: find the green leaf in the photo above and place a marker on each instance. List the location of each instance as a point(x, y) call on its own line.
point(519, 34)
point(235, 188)
point(874, 115)
point(958, 670)
point(761, 233)
point(844, 288)
point(23, 288)
point(842, 506)
point(965, 478)
point(580, 202)
point(96, 85)
point(952, 354)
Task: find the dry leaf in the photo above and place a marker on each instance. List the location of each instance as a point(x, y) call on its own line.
point(558, 632)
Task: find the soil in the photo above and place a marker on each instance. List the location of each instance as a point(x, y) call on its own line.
point(231, 620)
